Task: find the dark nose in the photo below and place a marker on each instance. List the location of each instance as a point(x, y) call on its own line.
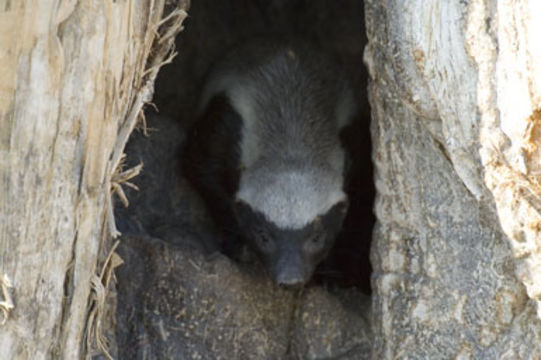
point(290, 280)
point(289, 270)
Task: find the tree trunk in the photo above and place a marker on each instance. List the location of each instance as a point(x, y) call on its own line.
point(455, 94)
point(74, 76)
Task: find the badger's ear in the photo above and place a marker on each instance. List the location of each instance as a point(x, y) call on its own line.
point(240, 207)
point(238, 202)
point(332, 220)
point(343, 206)
point(340, 208)
point(245, 214)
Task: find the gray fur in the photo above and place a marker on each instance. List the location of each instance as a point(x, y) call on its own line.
point(293, 101)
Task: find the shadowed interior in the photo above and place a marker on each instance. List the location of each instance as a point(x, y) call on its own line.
point(336, 26)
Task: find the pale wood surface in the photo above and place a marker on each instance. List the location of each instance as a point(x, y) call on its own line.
point(455, 110)
point(73, 80)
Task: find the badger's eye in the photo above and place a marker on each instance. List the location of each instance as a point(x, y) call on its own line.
point(315, 241)
point(263, 239)
point(318, 239)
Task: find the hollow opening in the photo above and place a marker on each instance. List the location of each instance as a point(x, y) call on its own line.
point(167, 207)
point(211, 29)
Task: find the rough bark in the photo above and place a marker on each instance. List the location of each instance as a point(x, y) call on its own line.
point(455, 98)
point(74, 76)
point(178, 303)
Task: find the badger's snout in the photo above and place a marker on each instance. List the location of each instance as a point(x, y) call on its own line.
point(291, 269)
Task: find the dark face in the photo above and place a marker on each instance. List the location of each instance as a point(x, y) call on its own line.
point(290, 256)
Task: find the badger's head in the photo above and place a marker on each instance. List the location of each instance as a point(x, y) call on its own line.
point(291, 219)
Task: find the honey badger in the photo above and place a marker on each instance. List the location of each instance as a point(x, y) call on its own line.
point(266, 154)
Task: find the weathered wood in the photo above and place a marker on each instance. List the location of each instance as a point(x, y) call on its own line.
point(455, 98)
point(74, 76)
point(508, 54)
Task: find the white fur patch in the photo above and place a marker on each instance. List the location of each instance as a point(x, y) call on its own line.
point(292, 199)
